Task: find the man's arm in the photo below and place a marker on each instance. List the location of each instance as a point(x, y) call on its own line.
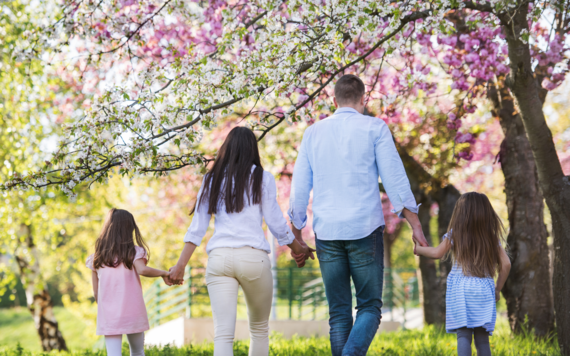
point(417, 232)
point(395, 181)
point(301, 258)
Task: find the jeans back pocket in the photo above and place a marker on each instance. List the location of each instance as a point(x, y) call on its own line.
point(216, 266)
point(250, 268)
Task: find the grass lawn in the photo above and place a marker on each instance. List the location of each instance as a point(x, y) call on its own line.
point(17, 326)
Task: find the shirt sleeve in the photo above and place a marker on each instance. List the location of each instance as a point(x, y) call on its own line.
point(392, 173)
point(272, 212)
point(140, 254)
point(89, 263)
point(301, 186)
point(200, 221)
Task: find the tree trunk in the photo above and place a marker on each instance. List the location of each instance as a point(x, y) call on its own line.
point(433, 283)
point(555, 186)
point(432, 294)
point(446, 195)
point(37, 297)
point(528, 291)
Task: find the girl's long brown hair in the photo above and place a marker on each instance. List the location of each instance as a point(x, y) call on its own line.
point(116, 244)
point(238, 154)
point(476, 232)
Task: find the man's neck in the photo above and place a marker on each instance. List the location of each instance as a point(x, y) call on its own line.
point(355, 107)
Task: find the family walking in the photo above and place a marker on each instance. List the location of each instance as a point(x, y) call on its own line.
point(340, 160)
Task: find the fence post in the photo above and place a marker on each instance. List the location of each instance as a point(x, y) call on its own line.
point(404, 305)
point(157, 301)
point(189, 283)
point(290, 293)
point(315, 303)
point(389, 292)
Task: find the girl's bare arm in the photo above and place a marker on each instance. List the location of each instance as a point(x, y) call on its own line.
point(503, 273)
point(144, 270)
point(433, 252)
point(95, 282)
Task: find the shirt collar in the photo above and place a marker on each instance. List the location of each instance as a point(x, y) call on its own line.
point(345, 110)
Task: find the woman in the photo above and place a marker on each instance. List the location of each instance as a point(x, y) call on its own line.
point(240, 194)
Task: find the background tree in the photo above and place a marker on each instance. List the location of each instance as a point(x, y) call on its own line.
point(33, 103)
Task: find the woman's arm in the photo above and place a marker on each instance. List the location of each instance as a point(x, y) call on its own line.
point(177, 272)
point(95, 282)
point(278, 225)
point(503, 273)
point(433, 252)
point(144, 270)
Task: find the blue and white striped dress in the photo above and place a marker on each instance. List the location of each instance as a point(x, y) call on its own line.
point(470, 301)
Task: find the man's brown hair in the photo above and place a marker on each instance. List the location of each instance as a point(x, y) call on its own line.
point(476, 231)
point(349, 89)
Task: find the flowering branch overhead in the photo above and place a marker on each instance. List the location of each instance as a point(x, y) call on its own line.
point(183, 69)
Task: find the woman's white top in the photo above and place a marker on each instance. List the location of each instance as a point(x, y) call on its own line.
point(244, 228)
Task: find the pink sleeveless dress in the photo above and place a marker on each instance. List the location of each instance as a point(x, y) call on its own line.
point(120, 308)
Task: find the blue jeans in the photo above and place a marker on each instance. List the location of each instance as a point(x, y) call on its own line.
point(363, 260)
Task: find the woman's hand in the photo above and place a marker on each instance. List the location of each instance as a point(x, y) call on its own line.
point(176, 275)
point(497, 295)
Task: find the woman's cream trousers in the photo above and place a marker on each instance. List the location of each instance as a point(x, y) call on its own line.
point(249, 268)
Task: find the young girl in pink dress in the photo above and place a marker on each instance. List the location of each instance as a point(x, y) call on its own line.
point(116, 265)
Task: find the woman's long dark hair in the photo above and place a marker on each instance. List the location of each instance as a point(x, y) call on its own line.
point(116, 244)
point(232, 167)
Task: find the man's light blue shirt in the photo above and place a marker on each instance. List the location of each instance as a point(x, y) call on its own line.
point(340, 159)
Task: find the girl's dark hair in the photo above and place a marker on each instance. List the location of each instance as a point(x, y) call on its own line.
point(232, 167)
point(476, 232)
point(116, 245)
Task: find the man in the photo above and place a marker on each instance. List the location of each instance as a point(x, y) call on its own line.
point(340, 159)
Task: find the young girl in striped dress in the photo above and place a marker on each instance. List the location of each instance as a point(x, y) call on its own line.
point(474, 239)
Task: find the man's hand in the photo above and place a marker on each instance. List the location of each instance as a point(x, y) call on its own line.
point(302, 254)
point(176, 275)
point(417, 233)
point(418, 236)
point(415, 245)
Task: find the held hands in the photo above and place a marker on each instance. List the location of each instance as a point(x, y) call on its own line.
point(415, 249)
point(418, 237)
point(301, 252)
point(166, 278)
point(175, 276)
point(497, 295)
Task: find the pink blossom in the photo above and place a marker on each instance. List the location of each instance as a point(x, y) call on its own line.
point(462, 138)
point(472, 57)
